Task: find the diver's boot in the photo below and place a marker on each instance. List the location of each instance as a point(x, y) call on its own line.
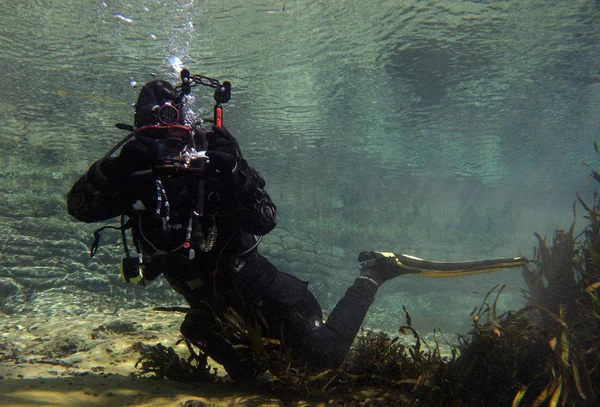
point(379, 267)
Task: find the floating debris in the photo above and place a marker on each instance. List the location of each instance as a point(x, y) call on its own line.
point(123, 18)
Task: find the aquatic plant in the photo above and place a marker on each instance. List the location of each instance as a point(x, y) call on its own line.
point(236, 338)
point(547, 353)
point(163, 362)
point(378, 371)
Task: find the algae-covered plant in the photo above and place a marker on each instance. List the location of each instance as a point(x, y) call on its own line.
point(163, 362)
point(546, 354)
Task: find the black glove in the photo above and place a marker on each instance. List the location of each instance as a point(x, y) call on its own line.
point(137, 155)
point(222, 140)
point(115, 174)
point(224, 153)
point(379, 267)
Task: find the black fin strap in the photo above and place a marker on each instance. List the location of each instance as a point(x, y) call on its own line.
point(97, 235)
point(96, 242)
point(124, 227)
point(120, 143)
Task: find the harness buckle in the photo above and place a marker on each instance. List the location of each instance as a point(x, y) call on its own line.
point(237, 265)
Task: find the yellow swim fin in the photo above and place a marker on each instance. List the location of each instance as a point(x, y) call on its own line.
point(436, 269)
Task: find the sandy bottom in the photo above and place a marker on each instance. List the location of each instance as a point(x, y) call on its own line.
point(50, 356)
point(119, 390)
point(69, 360)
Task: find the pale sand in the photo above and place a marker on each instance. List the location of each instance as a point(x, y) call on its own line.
point(100, 374)
point(59, 352)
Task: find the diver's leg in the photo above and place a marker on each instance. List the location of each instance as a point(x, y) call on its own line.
point(289, 307)
point(327, 344)
point(205, 332)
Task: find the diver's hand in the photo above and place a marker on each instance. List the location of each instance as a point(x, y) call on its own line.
point(221, 139)
point(137, 155)
point(223, 152)
point(222, 165)
point(112, 174)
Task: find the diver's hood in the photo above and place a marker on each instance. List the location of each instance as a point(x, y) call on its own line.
point(155, 93)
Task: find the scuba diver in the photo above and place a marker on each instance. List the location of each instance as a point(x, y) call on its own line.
point(197, 213)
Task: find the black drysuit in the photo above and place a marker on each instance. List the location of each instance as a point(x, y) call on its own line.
point(240, 212)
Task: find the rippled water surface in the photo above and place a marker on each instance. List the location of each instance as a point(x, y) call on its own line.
point(460, 119)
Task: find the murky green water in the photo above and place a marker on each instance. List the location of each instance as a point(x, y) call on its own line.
point(459, 124)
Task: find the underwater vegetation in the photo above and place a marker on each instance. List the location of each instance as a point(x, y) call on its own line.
point(545, 354)
point(163, 362)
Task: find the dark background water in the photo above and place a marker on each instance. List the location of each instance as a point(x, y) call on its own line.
point(450, 130)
